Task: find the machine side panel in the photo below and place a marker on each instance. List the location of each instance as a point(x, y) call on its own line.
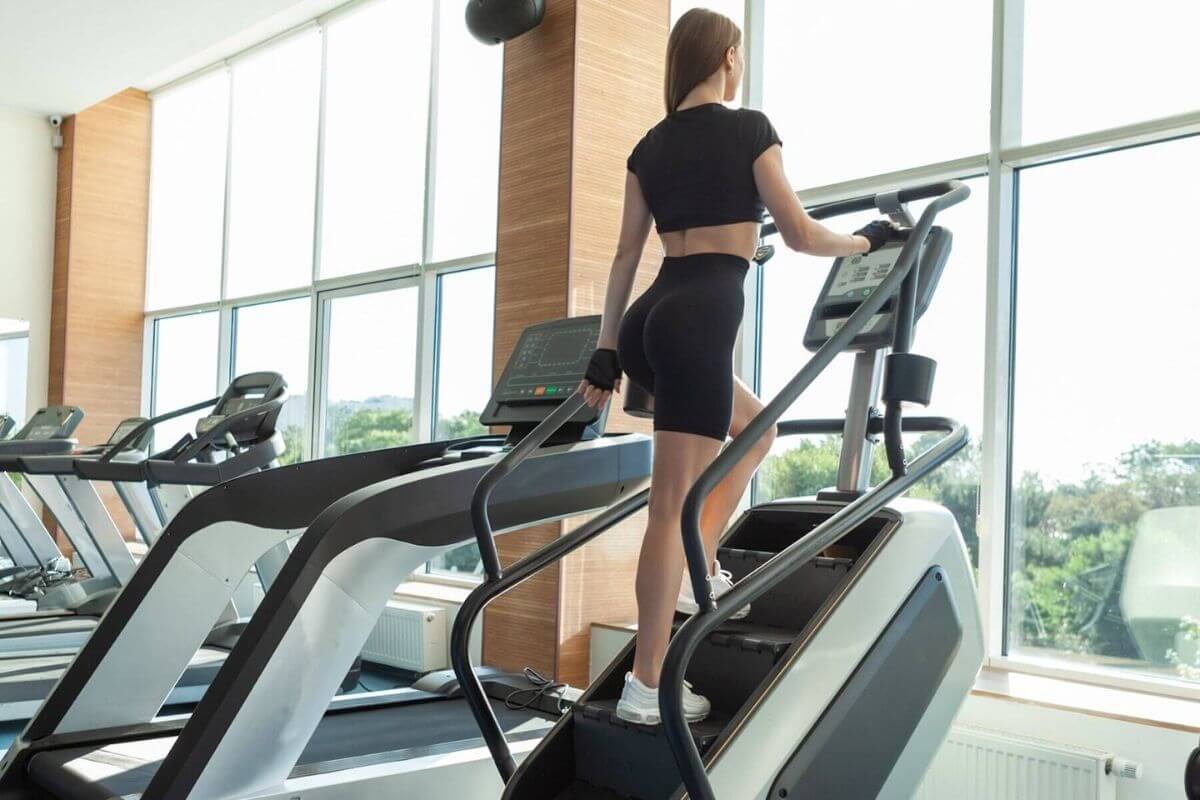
point(853, 748)
point(746, 763)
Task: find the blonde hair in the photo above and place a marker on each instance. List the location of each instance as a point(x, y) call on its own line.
point(695, 50)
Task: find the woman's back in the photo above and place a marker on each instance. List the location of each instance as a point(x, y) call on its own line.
point(695, 169)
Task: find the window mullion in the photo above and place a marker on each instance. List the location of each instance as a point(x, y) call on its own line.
point(996, 438)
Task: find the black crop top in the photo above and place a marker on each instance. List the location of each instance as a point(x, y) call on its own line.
point(696, 166)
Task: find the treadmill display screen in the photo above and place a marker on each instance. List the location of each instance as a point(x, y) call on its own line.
point(549, 361)
point(124, 429)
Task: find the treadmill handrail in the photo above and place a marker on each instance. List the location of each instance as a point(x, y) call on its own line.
point(112, 450)
point(728, 458)
point(204, 440)
point(490, 589)
point(698, 627)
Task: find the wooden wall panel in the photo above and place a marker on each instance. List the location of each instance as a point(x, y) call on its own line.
point(618, 90)
point(532, 254)
point(100, 267)
point(578, 93)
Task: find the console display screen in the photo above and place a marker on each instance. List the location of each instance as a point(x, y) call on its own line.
point(859, 275)
point(549, 361)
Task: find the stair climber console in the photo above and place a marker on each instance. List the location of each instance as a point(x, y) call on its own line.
point(863, 636)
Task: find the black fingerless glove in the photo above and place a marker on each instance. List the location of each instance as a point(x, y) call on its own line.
point(603, 370)
point(878, 232)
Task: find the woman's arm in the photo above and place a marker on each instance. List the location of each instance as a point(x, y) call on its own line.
point(799, 231)
point(635, 228)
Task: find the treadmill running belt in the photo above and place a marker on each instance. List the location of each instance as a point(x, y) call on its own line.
point(49, 625)
point(124, 769)
point(30, 678)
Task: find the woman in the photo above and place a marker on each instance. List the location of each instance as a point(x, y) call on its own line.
point(703, 175)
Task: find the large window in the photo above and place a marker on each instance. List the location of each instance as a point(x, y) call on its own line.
point(1103, 65)
point(1105, 520)
point(324, 206)
point(14, 368)
point(272, 176)
point(1065, 353)
point(951, 332)
point(861, 89)
point(185, 371)
point(466, 312)
point(187, 192)
point(274, 337)
point(371, 371)
point(468, 141)
point(374, 167)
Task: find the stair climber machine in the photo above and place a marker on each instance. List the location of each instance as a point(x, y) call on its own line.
point(237, 436)
point(267, 727)
point(844, 679)
point(58, 606)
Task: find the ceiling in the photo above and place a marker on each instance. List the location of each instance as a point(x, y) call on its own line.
point(61, 56)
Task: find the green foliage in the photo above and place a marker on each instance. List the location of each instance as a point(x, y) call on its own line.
point(364, 429)
point(293, 441)
point(465, 423)
point(1071, 539)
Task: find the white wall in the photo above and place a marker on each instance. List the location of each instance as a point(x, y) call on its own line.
point(28, 172)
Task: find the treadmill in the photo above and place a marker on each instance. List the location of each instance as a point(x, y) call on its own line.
point(36, 557)
point(64, 611)
point(863, 636)
point(266, 728)
point(236, 437)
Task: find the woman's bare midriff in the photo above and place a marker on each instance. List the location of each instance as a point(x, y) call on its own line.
point(738, 239)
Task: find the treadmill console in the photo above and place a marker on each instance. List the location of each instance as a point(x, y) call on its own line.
point(545, 367)
point(127, 427)
point(7, 423)
point(855, 278)
point(244, 393)
point(52, 422)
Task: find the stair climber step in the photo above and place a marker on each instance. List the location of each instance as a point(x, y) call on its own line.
point(632, 761)
point(792, 603)
point(732, 662)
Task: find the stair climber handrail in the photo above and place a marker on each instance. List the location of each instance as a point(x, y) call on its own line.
point(490, 589)
point(727, 459)
point(944, 194)
point(496, 581)
point(770, 574)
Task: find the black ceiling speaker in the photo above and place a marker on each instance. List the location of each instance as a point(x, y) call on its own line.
point(496, 21)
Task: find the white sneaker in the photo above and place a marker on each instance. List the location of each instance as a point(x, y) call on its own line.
point(720, 583)
point(639, 703)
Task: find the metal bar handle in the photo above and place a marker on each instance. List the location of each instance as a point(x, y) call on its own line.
point(140, 430)
point(480, 596)
point(201, 442)
point(484, 534)
point(683, 645)
point(727, 459)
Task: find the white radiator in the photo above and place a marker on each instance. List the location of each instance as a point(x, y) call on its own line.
point(409, 636)
point(979, 764)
